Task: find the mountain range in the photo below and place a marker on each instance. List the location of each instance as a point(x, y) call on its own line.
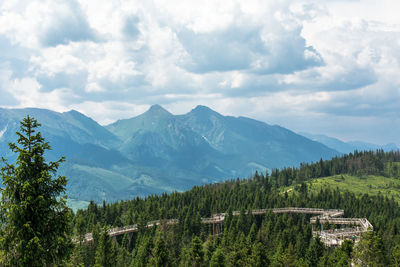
point(159, 152)
point(348, 147)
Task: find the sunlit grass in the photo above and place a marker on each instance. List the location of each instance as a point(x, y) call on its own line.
point(370, 184)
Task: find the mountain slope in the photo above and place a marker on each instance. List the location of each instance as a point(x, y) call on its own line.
point(158, 151)
point(160, 140)
point(85, 144)
point(211, 144)
point(70, 125)
point(254, 141)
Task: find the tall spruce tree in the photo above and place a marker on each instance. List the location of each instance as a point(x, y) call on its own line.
point(196, 252)
point(35, 221)
point(160, 251)
point(105, 252)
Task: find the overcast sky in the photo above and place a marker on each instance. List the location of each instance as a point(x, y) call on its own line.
point(319, 66)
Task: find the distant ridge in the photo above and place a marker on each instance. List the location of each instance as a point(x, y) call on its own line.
point(348, 147)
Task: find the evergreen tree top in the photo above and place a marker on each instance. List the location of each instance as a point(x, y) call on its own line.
point(34, 218)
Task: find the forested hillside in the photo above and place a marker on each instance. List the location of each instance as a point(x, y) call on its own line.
point(357, 163)
point(246, 240)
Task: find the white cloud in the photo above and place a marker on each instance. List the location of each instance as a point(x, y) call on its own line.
point(27, 92)
point(32, 24)
point(285, 62)
point(6, 97)
point(102, 111)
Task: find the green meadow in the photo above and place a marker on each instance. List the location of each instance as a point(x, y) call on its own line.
point(368, 184)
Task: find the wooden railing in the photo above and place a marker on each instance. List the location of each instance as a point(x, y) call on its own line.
point(217, 218)
point(329, 237)
point(130, 228)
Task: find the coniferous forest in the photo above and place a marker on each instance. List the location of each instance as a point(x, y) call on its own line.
point(245, 240)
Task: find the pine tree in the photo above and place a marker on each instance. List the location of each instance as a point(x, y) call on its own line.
point(34, 222)
point(369, 250)
point(143, 251)
point(104, 252)
point(252, 234)
point(209, 248)
point(196, 252)
point(160, 251)
point(80, 228)
point(314, 252)
point(289, 256)
point(259, 255)
point(218, 258)
point(396, 255)
point(123, 254)
point(91, 247)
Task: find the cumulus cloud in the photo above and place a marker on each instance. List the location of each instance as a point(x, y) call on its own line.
point(66, 24)
point(271, 44)
point(255, 50)
point(131, 27)
point(302, 64)
point(6, 97)
point(33, 24)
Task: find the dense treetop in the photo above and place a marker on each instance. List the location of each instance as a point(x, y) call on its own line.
point(34, 220)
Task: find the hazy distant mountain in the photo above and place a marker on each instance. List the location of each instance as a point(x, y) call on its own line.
point(347, 147)
point(158, 151)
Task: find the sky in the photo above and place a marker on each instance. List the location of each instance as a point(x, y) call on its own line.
point(318, 66)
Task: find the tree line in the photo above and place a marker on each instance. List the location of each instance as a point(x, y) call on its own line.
point(359, 163)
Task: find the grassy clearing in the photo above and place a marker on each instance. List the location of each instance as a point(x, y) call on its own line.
point(370, 184)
